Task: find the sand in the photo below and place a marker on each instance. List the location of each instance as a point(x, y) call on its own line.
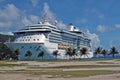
point(21, 76)
point(37, 77)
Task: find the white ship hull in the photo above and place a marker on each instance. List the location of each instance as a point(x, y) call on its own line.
point(36, 48)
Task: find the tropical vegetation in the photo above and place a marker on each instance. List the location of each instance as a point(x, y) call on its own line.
point(84, 52)
point(100, 51)
point(28, 54)
point(113, 51)
point(6, 54)
point(55, 53)
point(41, 54)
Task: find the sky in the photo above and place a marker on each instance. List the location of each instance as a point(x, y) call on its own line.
point(100, 19)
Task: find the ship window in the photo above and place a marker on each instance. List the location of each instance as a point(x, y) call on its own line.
point(28, 39)
point(34, 39)
point(37, 39)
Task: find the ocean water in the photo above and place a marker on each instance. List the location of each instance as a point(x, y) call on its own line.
point(107, 56)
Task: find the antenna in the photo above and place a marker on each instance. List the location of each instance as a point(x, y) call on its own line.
point(55, 23)
point(44, 18)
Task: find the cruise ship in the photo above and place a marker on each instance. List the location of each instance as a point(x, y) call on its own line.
point(47, 38)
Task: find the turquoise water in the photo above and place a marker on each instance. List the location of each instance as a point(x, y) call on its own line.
point(107, 56)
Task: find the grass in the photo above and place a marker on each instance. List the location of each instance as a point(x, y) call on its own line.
point(7, 64)
point(117, 59)
point(69, 74)
point(85, 66)
point(64, 74)
point(72, 60)
point(105, 62)
point(28, 79)
point(73, 66)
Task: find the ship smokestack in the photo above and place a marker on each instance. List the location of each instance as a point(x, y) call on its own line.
point(71, 27)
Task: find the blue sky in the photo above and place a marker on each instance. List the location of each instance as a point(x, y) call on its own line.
point(100, 17)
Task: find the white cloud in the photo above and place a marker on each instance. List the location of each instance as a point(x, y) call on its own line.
point(12, 18)
point(93, 10)
point(101, 28)
point(5, 24)
point(10, 12)
point(8, 16)
point(26, 21)
point(101, 16)
point(97, 13)
point(95, 41)
point(117, 26)
point(61, 25)
point(34, 19)
point(111, 43)
point(31, 19)
point(34, 2)
point(82, 20)
point(50, 16)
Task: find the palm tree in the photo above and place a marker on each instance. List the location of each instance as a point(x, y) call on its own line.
point(98, 51)
point(74, 53)
point(28, 54)
point(41, 54)
point(113, 51)
point(55, 53)
point(15, 54)
point(3, 55)
point(5, 52)
point(104, 52)
point(69, 52)
point(84, 51)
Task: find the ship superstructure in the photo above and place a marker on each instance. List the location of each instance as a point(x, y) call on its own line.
point(36, 39)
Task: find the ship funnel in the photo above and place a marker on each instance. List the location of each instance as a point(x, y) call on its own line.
point(71, 27)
